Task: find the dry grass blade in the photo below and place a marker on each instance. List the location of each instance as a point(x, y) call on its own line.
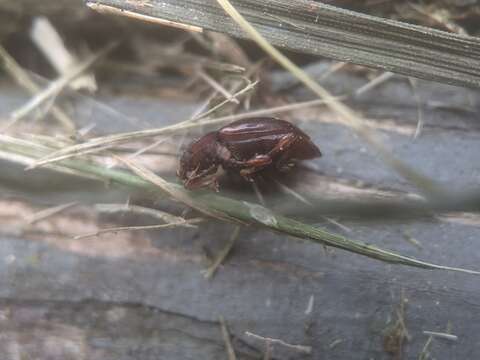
point(425, 353)
point(218, 206)
point(55, 87)
point(227, 340)
point(374, 83)
point(106, 142)
point(223, 254)
point(28, 160)
point(246, 89)
point(47, 39)
point(43, 214)
point(218, 87)
point(142, 227)
point(426, 185)
point(24, 80)
point(105, 9)
point(140, 210)
point(172, 191)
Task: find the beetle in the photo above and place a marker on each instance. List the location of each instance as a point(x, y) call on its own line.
point(247, 147)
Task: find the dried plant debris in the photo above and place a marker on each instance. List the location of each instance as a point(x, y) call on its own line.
point(396, 334)
point(221, 257)
point(210, 204)
point(227, 339)
point(52, 46)
point(460, 16)
point(425, 353)
point(301, 349)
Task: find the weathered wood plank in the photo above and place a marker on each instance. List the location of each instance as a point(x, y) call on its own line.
point(147, 298)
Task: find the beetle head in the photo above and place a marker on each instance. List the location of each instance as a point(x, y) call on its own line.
point(198, 164)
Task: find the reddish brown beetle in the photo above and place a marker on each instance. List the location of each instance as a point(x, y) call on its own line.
point(247, 147)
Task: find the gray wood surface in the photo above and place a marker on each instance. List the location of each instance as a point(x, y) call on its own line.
point(142, 296)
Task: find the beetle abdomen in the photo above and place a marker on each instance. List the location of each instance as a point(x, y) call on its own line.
point(304, 149)
point(249, 137)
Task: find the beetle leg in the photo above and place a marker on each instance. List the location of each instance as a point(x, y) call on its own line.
point(255, 164)
point(258, 162)
point(283, 144)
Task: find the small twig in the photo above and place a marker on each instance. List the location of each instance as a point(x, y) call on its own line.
point(136, 228)
point(441, 335)
point(227, 340)
point(45, 213)
point(300, 348)
point(223, 254)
